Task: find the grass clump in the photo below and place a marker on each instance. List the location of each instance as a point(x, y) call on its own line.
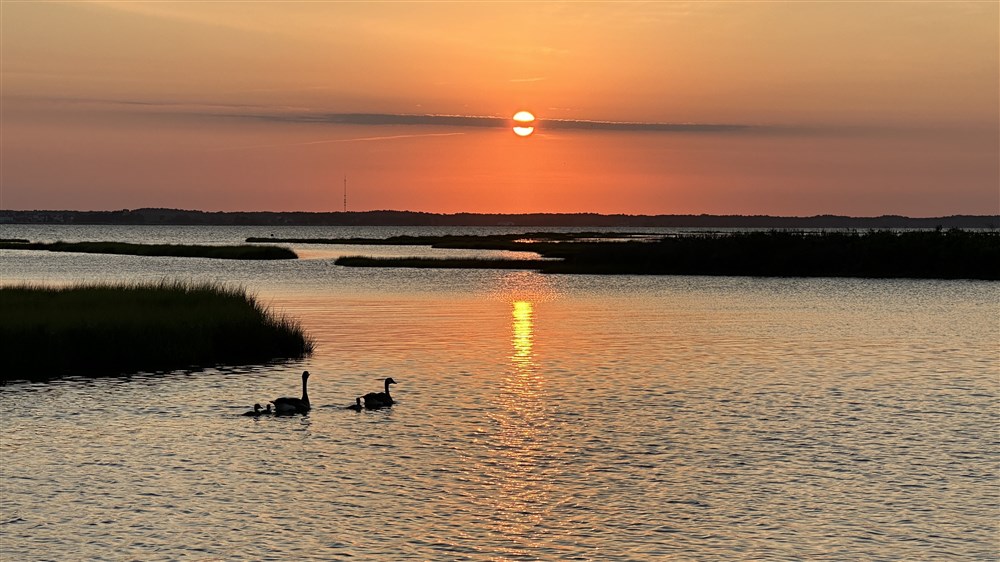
point(238, 252)
point(111, 329)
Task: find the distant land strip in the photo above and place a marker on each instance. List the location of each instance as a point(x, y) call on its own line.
point(440, 263)
point(156, 216)
point(239, 252)
point(935, 254)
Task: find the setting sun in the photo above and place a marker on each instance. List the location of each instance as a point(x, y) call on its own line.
point(524, 123)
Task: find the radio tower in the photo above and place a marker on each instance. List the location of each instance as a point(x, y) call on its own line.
point(345, 193)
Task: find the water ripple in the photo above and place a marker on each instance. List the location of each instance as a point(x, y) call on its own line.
point(560, 418)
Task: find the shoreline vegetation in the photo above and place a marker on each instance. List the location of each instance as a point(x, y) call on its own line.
point(238, 252)
point(440, 263)
point(98, 330)
point(936, 254)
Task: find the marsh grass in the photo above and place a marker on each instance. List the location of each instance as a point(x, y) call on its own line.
point(952, 254)
point(439, 263)
point(110, 329)
point(237, 252)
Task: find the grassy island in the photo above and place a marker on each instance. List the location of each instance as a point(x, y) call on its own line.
point(98, 330)
point(440, 263)
point(239, 252)
point(939, 254)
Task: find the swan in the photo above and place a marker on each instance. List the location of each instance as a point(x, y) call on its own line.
point(376, 400)
point(256, 412)
point(356, 406)
point(288, 406)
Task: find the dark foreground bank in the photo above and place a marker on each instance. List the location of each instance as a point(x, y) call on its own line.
point(100, 330)
point(238, 252)
point(934, 254)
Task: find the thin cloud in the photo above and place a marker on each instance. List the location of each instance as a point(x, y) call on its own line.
point(500, 122)
point(390, 119)
point(641, 126)
point(329, 141)
point(302, 115)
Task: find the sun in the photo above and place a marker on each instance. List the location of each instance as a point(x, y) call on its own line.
point(524, 123)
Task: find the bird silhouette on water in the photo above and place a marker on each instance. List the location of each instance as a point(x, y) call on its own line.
point(357, 407)
point(258, 412)
point(286, 406)
point(376, 400)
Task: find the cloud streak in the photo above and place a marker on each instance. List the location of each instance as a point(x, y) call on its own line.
point(302, 115)
point(494, 122)
point(330, 141)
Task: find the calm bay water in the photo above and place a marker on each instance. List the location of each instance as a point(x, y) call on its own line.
point(539, 418)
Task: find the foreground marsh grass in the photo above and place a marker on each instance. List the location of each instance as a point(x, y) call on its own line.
point(240, 252)
point(102, 329)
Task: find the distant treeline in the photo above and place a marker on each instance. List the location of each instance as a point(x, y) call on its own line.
point(937, 254)
point(412, 218)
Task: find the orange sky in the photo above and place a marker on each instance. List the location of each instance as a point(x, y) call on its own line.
point(848, 108)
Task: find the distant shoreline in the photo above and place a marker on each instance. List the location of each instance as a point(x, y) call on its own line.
point(413, 218)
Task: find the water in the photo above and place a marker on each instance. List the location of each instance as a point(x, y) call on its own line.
point(538, 418)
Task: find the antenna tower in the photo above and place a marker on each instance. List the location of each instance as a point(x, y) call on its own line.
point(345, 193)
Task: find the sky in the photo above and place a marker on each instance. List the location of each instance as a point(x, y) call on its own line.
point(777, 108)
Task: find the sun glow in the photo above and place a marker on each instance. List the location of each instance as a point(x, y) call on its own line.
point(524, 123)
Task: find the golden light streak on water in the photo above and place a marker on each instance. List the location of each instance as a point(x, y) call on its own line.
point(521, 339)
point(521, 466)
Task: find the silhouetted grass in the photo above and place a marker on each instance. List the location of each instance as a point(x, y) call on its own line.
point(439, 263)
point(920, 254)
point(241, 252)
point(390, 241)
point(97, 330)
point(953, 254)
point(508, 242)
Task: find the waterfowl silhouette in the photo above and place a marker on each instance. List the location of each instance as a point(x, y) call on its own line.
point(376, 400)
point(257, 411)
point(356, 406)
point(287, 406)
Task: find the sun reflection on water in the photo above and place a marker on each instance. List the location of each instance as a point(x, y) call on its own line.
point(520, 465)
point(521, 358)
